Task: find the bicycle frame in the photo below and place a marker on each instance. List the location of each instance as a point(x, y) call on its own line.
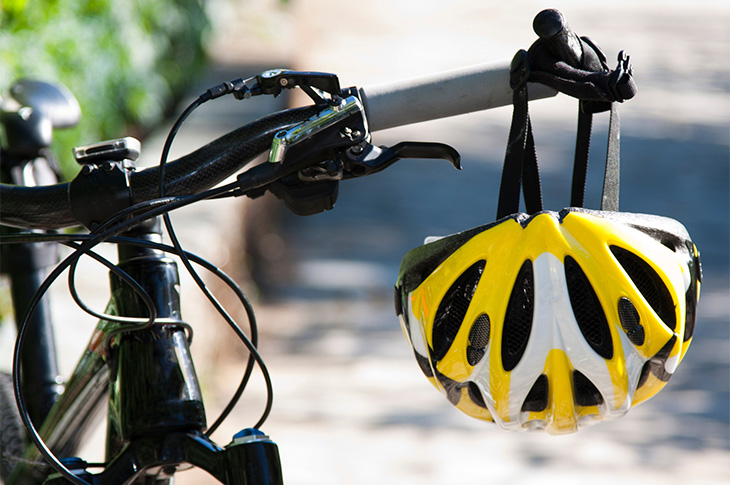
point(156, 417)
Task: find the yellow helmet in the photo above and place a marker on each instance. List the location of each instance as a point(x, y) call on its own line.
point(553, 320)
point(549, 320)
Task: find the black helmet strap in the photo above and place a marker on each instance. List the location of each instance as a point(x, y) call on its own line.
point(597, 92)
point(609, 199)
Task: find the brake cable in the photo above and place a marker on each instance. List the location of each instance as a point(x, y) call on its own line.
point(108, 230)
point(270, 82)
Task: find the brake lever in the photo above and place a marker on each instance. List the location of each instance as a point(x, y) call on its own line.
point(314, 187)
point(274, 81)
point(365, 159)
point(307, 161)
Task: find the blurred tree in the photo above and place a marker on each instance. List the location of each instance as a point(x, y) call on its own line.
point(127, 61)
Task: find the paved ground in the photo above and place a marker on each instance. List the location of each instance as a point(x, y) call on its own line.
point(351, 405)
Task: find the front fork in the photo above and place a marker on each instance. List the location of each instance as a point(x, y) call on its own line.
point(156, 418)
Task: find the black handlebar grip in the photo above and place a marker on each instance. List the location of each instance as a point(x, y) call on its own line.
point(558, 38)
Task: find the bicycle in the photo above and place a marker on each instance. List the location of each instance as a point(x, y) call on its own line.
point(139, 354)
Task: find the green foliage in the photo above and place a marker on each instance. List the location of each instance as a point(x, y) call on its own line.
point(126, 61)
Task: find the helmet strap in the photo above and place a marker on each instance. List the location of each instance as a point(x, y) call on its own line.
point(520, 162)
point(597, 92)
point(610, 197)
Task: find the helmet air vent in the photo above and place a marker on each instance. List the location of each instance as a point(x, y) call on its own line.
point(588, 310)
point(649, 284)
point(478, 339)
point(452, 309)
point(657, 364)
point(692, 294)
point(537, 398)
point(476, 395)
point(518, 318)
point(586, 393)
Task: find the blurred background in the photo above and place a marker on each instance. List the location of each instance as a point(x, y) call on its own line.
point(351, 405)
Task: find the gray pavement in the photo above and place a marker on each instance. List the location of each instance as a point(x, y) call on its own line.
point(351, 405)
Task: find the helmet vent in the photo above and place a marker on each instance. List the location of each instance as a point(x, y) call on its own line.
point(690, 313)
point(586, 393)
point(630, 321)
point(656, 364)
point(451, 387)
point(452, 309)
point(670, 242)
point(695, 271)
point(518, 318)
point(423, 364)
point(478, 339)
point(644, 376)
point(398, 302)
point(537, 398)
point(588, 310)
point(475, 395)
point(649, 284)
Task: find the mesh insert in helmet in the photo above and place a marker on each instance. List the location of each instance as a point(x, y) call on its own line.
point(518, 318)
point(630, 321)
point(586, 393)
point(452, 309)
point(588, 310)
point(649, 284)
point(537, 398)
point(478, 339)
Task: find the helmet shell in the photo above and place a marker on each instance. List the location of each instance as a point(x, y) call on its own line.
point(553, 320)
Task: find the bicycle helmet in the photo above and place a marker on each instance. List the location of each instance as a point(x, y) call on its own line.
point(552, 320)
point(548, 320)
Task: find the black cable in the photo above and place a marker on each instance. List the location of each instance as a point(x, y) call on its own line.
point(82, 249)
point(149, 303)
point(196, 277)
point(248, 307)
point(17, 383)
point(108, 231)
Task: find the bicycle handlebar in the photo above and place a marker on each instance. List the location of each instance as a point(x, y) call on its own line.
point(449, 93)
point(49, 207)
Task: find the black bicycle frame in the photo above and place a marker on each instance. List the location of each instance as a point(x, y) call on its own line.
point(155, 415)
